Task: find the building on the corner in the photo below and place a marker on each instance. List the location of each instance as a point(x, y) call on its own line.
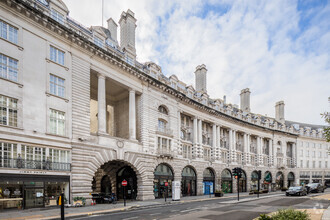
point(79, 114)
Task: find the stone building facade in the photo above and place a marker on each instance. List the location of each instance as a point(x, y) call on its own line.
point(80, 114)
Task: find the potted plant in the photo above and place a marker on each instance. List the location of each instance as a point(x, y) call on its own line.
point(19, 205)
point(79, 201)
point(218, 193)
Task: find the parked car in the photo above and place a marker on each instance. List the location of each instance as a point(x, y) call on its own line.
point(296, 190)
point(315, 187)
point(104, 198)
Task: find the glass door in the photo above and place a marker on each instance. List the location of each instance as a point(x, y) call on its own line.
point(34, 197)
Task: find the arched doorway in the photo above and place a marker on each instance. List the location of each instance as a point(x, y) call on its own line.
point(163, 173)
point(188, 182)
point(290, 179)
point(254, 180)
point(106, 185)
point(242, 182)
point(226, 181)
point(267, 184)
point(279, 180)
point(208, 181)
point(128, 174)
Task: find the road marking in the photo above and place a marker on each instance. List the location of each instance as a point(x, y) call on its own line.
point(174, 210)
point(158, 213)
point(130, 218)
point(189, 210)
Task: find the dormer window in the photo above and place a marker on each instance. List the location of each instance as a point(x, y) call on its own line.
point(98, 42)
point(163, 110)
point(44, 2)
point(57, 16)
point(109, 43)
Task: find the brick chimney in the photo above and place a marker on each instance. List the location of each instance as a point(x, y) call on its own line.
point(200, 78)
point(279, 112)
point(127, 24)
point(245, 100)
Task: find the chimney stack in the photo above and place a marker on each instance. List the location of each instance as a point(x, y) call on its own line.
point(200, 78)
point(112, 27)
point(127, 24)
point(279, 112)
point(245, 100)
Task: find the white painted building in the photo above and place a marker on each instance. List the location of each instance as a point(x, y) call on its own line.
point(79, 114)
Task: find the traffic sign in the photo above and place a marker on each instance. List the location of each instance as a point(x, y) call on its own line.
point(166, 183)
point(124, 183)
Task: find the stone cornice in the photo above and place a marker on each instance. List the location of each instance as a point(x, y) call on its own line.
point(39, 17)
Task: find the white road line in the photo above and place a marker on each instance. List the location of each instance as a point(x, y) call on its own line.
point(158, 213)
point(174, 210)
point(130, 218)
point(189, 210)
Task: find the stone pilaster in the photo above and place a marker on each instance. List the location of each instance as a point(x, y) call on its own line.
point(132, 115)
point(101, 99)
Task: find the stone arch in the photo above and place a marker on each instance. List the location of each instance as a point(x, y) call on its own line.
point(291, 178)
point(189, 181)
point(161, 177)
point(280, 180)
point(92, 160)
point(226, 181)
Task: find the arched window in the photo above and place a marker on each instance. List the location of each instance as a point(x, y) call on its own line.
point(162, 109)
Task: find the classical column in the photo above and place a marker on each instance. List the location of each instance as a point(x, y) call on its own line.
point(218, 143)
point(214, 140)
point(271, 153)
point(258, 150)
point(200, 132)
point(248, 140)
point(195, 137)
point(234, 146)
point(101, 100)
point(245, 142)
point(284, 148)
point(132, 115)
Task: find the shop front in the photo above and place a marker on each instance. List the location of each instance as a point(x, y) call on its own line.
point(32, 191)
point(254, 180)
point(226, 181)
point(267, 184)
point(242, 182)
point(163, 174)
point(291, 179)
point(279, 180)
point(208, 181)
point(188, 182)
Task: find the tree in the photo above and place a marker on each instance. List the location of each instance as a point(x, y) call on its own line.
point(326, 116)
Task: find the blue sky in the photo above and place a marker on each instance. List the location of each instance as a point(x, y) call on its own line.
point(279, 49)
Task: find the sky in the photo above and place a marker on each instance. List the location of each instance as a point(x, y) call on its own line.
point(278, 49)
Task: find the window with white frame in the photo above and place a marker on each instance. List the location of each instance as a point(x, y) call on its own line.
point(301, 164)
point(8, 151)
point(99, 42)
point(162, 125)
point(57, 16)
point(164, 144)
point(56, 55)
point(307, 164)
point(326, 164)
point(313, 164)
point(320, 164)
point(57, 122)
point(207, 153)
point(307, 153)
point(8, 68)
point(301, 153)
point(8, 111)
point(56, 86)
point(8, 32)
point(187, 151)
point(313, 155)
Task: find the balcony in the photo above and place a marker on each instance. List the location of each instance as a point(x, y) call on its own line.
point(34, 164)
point(165, 152)
point(164, 131)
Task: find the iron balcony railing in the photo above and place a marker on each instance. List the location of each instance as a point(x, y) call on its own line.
point(34, 164)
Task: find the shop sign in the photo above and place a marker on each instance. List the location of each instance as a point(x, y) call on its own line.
point(39, 194)
point(33, 172)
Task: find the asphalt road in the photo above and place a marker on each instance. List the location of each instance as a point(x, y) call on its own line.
point(218, 209)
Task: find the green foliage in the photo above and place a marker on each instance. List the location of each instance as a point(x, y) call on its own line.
point(326, 116)
point(286, 214)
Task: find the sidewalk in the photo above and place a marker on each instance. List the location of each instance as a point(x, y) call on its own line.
point(54, 213)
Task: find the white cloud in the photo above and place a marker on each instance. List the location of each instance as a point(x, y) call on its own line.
point(255, 44)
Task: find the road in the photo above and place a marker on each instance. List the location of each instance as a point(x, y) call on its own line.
point(218, 209)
